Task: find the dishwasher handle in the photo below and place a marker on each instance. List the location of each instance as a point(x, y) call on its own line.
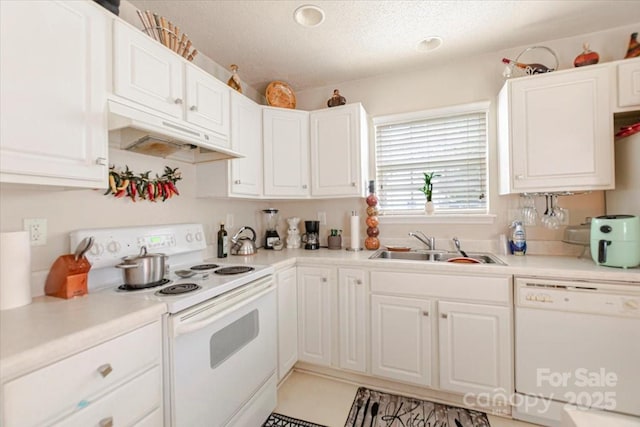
point(188, 327)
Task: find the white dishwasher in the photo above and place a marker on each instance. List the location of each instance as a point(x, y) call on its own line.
point(577, 343)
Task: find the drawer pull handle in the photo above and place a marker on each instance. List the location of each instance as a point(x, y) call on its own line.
point(105, 370)
point(106, 422)
point(444, 315)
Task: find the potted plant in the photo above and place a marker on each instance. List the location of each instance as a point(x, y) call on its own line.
point(427, 189)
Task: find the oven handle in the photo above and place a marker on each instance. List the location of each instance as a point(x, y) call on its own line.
point(185, 328)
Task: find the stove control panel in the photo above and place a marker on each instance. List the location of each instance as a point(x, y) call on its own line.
point(111, 244)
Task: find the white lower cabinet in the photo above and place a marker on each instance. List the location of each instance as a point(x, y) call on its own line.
point(286, 288)
point(352, 319)
point(475, 347)
point(401, 334)
point(316, 294)
point(115, 383)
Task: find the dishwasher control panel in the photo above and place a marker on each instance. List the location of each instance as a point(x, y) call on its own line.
point(582, 297)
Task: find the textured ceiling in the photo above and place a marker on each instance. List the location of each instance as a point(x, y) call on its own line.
point(364, 38)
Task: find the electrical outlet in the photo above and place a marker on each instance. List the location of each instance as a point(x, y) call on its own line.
point(37, 228)
point(228, 224)
point(322, 217)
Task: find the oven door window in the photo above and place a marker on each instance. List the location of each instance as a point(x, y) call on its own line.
point(233, 337)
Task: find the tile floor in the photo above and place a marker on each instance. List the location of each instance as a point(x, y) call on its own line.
point(326, 401)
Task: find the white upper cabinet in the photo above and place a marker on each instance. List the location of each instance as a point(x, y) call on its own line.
point(240, 177)
point(146, 72)
point(286, 153)
point(629, 83)
point(339, 151)
point(556, 132)
point(53, 85)
point(207, 102)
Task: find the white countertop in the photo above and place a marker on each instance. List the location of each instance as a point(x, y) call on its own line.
point(50, 328)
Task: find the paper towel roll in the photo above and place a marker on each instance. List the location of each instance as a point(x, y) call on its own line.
point(355, 231)
point(15, 270)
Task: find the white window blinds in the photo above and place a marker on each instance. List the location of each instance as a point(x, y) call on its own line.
point(451, 144)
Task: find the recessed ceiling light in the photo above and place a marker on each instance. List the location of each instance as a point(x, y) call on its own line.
point(309, 15)
point(429, 44)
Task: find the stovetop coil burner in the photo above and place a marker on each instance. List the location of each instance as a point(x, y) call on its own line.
point(179, 288)
point(130, 288)
point(236, 269)
point(201, 267)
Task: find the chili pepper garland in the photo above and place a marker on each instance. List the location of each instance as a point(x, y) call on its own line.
point(128, 184)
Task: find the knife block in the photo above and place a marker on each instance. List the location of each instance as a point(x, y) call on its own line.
point(67, 277)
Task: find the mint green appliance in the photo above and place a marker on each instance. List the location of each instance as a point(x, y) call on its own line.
point(615, 240)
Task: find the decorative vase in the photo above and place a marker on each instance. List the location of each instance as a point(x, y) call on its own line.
point(234, 80)
point(334, 242)
point(429, 208)
point(587, 57)
point(634, 47)
point(372, 242)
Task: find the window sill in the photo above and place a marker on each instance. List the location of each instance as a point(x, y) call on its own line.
point(438, 219)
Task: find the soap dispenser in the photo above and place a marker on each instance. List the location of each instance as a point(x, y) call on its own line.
point(518, 242)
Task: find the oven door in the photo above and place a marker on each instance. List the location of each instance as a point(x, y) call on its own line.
point(222, 353)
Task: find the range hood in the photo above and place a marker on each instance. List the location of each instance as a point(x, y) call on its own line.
point(138, 129)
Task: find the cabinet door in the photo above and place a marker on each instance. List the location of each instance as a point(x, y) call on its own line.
point(338, 151)
point(246, 137)
point(401, 338)
point(286, 285)
point(629, 83)
point(560, 132)
point(475, 348)
point(146, 72)
point(353, 317)
point(53, 87)
point(316, 287)
point(207, 102)
point(286, 152)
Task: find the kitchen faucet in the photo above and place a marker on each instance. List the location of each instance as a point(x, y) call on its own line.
point(429, 241)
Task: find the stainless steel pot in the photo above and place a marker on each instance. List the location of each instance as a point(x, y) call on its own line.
point(143, 269)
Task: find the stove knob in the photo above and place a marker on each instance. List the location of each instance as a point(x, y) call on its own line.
point(113, 247)
point(199, 236)
point(189, 237)
point(96, 249)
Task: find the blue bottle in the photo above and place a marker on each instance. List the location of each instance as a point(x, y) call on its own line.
point(518, 242)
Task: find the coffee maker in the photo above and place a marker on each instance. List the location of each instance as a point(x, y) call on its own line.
point(311, 238)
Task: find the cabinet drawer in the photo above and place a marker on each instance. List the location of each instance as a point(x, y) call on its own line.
point(477, 288)
point(128, 404)
point(68, 384)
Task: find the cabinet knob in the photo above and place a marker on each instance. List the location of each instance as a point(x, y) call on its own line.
point(106, 422)
point(237, 181)
point(304, 186)
point(105, 369)
point(519, 177)
point(353, 184)
point(323, 280)
point(444, 315)
point(358, 282)
point(102, 161)
point(425, 313)
point(193, 108)
point(178, 101)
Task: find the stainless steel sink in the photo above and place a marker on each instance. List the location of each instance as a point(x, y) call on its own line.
point(435, 256)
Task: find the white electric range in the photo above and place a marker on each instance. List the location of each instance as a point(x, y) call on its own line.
point(219, 330)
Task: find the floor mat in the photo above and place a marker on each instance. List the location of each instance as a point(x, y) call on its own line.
point(278, 420)
point(373, 408)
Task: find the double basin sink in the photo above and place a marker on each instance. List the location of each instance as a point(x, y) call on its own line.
point(438, 256)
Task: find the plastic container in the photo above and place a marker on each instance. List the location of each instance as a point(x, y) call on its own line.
point(518, 242)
